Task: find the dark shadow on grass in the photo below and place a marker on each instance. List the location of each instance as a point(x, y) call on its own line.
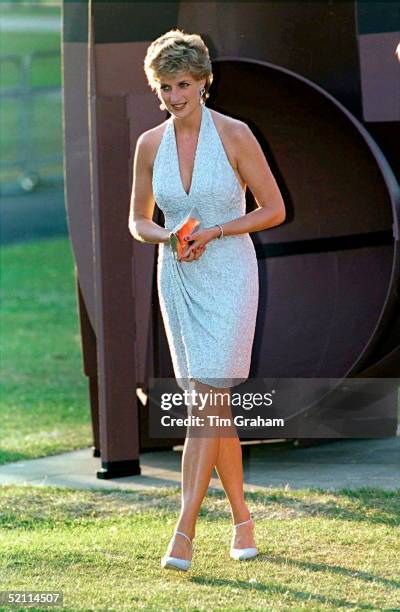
point(334, 569)
point(280, 590)
point(12, 456)
point(386, 505)
point(33, 507)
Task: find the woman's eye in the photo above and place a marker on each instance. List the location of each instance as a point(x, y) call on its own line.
point(184, 84)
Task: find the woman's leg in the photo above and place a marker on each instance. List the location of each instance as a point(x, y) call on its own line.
point(198, 460)
point(229, 467)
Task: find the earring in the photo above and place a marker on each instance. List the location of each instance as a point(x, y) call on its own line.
point(202, 92)
point(162, 107)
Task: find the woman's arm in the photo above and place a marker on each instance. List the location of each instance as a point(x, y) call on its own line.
point(141, 224)
point(256, 174)
point(254, 170)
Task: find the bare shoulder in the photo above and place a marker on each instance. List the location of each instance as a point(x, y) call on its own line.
point(236, 137)
point(232, 130)
point(149, 141)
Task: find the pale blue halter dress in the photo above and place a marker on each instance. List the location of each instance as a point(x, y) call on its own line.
point(209, 306)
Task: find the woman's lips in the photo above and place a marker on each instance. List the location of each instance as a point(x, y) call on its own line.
point(178, 106)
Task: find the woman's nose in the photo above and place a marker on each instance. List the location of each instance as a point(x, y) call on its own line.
point(174, 96)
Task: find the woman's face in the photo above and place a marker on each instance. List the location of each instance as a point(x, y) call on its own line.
point(180, 93)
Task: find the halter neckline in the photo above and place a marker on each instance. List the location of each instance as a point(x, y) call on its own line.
point(196, 155)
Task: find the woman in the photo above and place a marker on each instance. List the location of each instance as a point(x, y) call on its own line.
point(199, 163)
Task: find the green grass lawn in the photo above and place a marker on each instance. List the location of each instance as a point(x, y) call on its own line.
point(44, 406)
point(45, 129)
point(318, 550)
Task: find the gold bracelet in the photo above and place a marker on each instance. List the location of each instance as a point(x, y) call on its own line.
point(222, 231)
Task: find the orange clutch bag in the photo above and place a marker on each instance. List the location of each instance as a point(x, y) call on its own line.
point(176, 240)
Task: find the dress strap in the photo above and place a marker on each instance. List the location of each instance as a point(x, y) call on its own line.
point(184, 535)
point(244, 523)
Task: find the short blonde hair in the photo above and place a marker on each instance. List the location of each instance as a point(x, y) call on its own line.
point(174, 52)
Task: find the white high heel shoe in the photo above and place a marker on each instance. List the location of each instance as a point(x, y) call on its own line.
point(176, 562)
point(240, 554)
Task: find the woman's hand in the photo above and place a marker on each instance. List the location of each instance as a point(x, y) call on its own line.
point(194, 254)
point(197, 241)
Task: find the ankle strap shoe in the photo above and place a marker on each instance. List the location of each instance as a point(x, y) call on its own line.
point(175, 562)
point(240, 554)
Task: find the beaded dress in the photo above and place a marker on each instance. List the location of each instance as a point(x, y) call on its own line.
point(209, 305)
